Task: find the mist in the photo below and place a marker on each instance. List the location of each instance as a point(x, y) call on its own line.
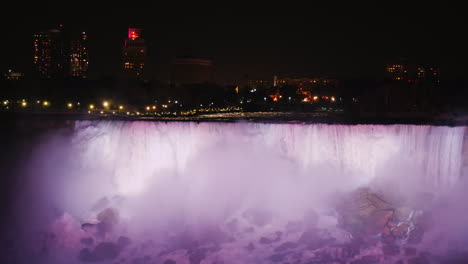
point(182, 183)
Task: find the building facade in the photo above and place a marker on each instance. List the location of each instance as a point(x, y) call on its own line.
point(51, 54)
point(134, 54)
point(57, 56)
point(79, 57)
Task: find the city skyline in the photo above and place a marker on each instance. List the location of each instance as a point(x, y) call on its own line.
point(257, 40)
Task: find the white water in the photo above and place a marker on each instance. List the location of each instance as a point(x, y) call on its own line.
point(178, 174)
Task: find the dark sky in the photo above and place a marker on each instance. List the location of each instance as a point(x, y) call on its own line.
point(353, 40)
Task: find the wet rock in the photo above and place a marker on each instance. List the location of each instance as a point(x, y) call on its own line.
point(258, 217)
point(87, 241)
point(352, 249)
point(415, 236)
point(387, 239)
point(85, 255)
point(390, 250)
point(286, 246)
point(108, 215)
point(364, 203)
point(315, 239)
point(276, 237)
point(377, 221)
point(197, 256)
point(106, 250)
point(410, 251)
point(401, 230)
point(369, 259)
point(89, 228)
point(418, 260)
point(277, 257)
point(123, 241)
point(137, 261)
point(108, 218)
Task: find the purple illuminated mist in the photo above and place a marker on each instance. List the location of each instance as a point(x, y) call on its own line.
point(218, 189)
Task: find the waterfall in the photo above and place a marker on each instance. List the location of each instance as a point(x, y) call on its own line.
point(168, 178)
point(136, 151)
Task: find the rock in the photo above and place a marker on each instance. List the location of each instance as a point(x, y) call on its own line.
point(401, 230)
point(390, 250)
point(403, 214)
point(85, 255)
point(106, 250)
point(415, 236)
point(286, 246)
point(197, 256)
point(109, 215)
point(87, 241)
point(315, 239)
point(377, 221)
point(271, 239)
point(277, 257)
point(258, 217)
point(370, 259)
point(123, 241)
point(418, 260)
point(89, 228)
point(363, 202)
point(387, 239)
point(410, 251)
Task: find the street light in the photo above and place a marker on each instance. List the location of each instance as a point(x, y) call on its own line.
point(121, 107)
point(70, 105)
point(105, 104)
point(91, 106)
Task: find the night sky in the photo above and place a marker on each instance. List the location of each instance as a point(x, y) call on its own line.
point(259, 39)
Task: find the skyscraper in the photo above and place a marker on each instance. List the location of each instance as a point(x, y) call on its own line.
point(50, 54)
point(134, 54)
point(79, 57)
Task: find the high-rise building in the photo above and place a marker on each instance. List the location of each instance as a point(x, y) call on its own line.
point(50, 54)
point(134, 54)
point(79, 57)
point(413, 73)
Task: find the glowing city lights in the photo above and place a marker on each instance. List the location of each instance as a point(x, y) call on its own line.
point(105, 104)
point(91, 106)
point(69, 105)
point(45, 103)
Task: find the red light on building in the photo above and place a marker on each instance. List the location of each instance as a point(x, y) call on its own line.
point(134, 33)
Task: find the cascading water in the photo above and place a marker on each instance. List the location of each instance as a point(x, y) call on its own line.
point(178, 177)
